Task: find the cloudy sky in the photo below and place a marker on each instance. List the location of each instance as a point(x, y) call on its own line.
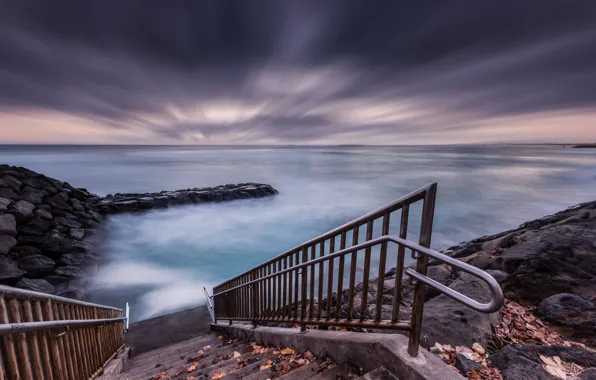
point(297, 71)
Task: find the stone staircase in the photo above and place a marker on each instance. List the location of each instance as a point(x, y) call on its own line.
point(212, 356)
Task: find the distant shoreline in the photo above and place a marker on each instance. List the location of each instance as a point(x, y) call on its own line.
point(585, 146)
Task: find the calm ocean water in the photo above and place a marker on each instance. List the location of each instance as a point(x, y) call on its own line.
point(159, 261)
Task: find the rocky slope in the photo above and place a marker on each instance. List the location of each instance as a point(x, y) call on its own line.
point(49, 230)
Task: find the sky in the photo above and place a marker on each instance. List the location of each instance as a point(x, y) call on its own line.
point(297, 72)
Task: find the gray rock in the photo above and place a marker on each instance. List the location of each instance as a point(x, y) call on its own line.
point(56, 280)
point(558, 307)
point(448, 321)
point(32, 195)
point(22, 210)
point(43, 214)
point(77, 205)
point(588, 374)
point(8, 225)
point(67, 222)
point(12, 182)
point(40, 224)
point(69, 271)
point(58, 202)
point(7, 242)
point(23, 251)
point(465, 365)
point(36, 285)
point(31, 182)
point(9, 271)
point(4, 203)
point(498, 275)
point(71, 259)
point(521, 361)
point(7, 192)
point(37, 265)
point(77, 233)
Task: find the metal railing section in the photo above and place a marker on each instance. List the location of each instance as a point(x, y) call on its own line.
point(283, 288)
point(209, 304)
point(49, 337)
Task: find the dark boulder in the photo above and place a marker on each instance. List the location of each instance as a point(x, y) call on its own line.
point(8, 225)
point(560, 307)
point(58, 202)
point(12, 182)
point(9, 271)
point(7, 192)
point(77, 233)
point(77, 260)
point(448, 321)
point(69, 271)
point(465, 365)
point(4, 203)
point(67, 222)
point(22, 210)
point(40, 224)
point(77, 205)
point(32, 195)
point(37, 285)
point(498, 275)
point(23, 251)
point(7, 242)
point(37, 265)
point(588, 374)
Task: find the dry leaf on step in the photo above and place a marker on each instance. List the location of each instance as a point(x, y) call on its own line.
point(236, 354)
point(220, 337)
point(160, 376)
point(192, 367)
point(288, 351)
point(218, 375)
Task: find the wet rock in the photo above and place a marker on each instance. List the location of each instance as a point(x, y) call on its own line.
point(77, 205)
point(4, 203)
point(23, 251)
point(37, 265)
point(521, 361)
point(7, 192)
point(79, 259)
point(77, 233)
point(559, 307)
point(7, 242)
point(67, 222)
point(498, 275)
point(446, 320)
point(40, 224)
point(32, 195)
point(8, 225)
point(36, 285)
point(56, 280)
point(9, 271)
point(69, 271)
point(22, 210)
point(465, 365)
point(12, 182)
point(58, 202)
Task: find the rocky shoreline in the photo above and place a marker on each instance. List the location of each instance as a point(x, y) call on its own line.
point(545, 266)
point(50, 230)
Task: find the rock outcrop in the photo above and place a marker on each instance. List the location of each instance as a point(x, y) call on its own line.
point(49, 229)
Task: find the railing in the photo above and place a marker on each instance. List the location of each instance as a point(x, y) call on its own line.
point(209, 304)
point(283, 288)
point(49, 337)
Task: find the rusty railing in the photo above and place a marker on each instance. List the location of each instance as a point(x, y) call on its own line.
point(290, 287)
point(49, 337)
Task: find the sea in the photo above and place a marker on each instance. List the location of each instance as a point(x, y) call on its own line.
point(159, 261)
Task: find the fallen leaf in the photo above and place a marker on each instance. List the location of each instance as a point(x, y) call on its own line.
point(220, 337)
point(193, 367)
point(448, 348)
point(180, 371)
point(230, 341)
point(556, 371)
point(548, 361)
point(190, 378)
point(160, 376)
point(557, 360)
point(218, 375)
point(287, 351)
point(206, 347)
point(478, 348)
point(236, 354)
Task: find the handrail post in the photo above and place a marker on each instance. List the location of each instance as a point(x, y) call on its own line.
point(428, 210)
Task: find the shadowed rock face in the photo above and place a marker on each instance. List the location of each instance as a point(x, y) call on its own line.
point(49, 230)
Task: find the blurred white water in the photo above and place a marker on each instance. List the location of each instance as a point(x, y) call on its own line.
point(160, 260)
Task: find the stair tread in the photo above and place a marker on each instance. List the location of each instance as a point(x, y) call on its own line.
point(380, 373)
point(331, 374)
point(182, 345)
point(175, 363)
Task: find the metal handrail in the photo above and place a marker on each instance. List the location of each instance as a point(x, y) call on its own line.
point(210, 306)
point(392, 206)
point(14, 328)
point(208, 297)
point(497, 293)
point(30, 294)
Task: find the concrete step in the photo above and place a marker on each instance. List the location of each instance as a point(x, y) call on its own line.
point(333, 373)
point(380, 373)
point(305, 372)
point(216, 357)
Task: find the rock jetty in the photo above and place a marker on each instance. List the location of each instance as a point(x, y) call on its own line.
point(50, 230)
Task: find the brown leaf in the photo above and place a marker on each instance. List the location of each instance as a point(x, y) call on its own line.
point(193, 367)
point(180, 371)
point(220, 337)
point(160, 376)
point(218, 375)
point(287, 351)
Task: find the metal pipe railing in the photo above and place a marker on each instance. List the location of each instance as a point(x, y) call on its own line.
point(290, 288)
point(44, 336)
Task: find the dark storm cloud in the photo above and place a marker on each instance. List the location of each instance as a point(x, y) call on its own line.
point(126, 64)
